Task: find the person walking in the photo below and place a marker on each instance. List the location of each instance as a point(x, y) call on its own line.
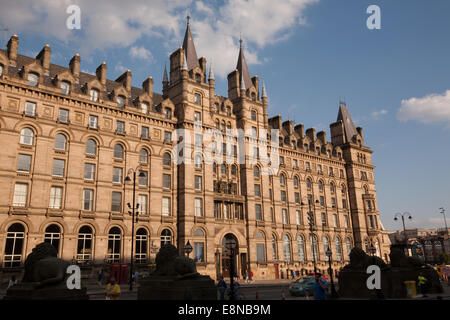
point(100, 277)
point(112, 290)
point(319, 288)
point(12, 282)
point(422, 281)
point(222, 287)
point(135, 277)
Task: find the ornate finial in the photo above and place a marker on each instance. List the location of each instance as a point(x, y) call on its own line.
point(188, 16)
point(240, 40)
point(211, 73)
point(165, 77)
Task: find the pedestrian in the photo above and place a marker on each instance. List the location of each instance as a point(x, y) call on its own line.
point(112, 290)
point(251, 275)
point(292, 274)
point(135, 276)
point(222, 287)
point(422, 281)
point(319, 288)
point(100, 277)
point(12, 282)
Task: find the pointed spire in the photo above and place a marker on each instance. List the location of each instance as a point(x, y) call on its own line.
point(242, 84)
point(211, 73)
point(349, 126)
point(189, 47)
point(165, 77)
point(242, 66)
point(185, 66)
point(263, 94)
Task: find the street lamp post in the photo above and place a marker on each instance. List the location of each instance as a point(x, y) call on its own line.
point(133, 214)
point(333, 289)
point(445, 219)
point(188, 248)
point(311, 225)
point(402, 215)
point(230, 244)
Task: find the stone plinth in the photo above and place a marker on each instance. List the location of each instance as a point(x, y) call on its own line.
point(27, 291)
point(353, 284)
point(173, 288)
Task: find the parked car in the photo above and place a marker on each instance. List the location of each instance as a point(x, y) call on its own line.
point(303, 285)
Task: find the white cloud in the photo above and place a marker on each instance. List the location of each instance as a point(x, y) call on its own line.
point(113, 23)
point(429, 109)
point(141, 53)
point(119, 67)
point(378, 114)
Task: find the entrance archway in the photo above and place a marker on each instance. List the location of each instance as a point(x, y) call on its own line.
point(226, 255)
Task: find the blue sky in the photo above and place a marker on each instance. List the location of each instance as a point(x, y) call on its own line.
point(310, 53)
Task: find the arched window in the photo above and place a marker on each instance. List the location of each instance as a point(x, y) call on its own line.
point(343, 190)
point(256, 171)
point(337, 242)
point(91, 147)
point(118, 151)
point(223, 168)
point(287, 248)
point(26, 136)
point(325, 247)
point(320, 185)
point(217, 124)
point(141, 245)
point(332, 188)
point(199, 233)
point(199, 246)
point(301, 249)
point(60, 141)
point(198, 161)
point(308, 184)
point(228, 111)
point(253, 115)
point(53, 236)
point(65, 87)
point(166, 237)
point(314, 247)
point(282, 179)
point(167, 159)
point(143, 156)
point(348, 245)
point(33, 79)
point(114, 244)
point(84, 247)
point(366, 190)
point(295, 182)
point(15, 238)
point(233, 170)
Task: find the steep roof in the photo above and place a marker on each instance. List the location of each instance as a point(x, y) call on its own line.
point(189, 49)
point(243, 68)
point(349, 126)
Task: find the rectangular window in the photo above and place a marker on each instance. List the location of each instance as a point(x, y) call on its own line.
point(297, 197)
point(346, 221)
point(63, 115)
point(88, 199)
point(198, 140)
point(322, 201)
point(257, 190)
point(144, 134)
point(197, 117)
point(319, 169)
point(166, 206)
point(117, 175)
point(308, 166)
point(20, 195)
point(65, 87)
point(30, 108)
point(198, 99)
point(198, 182)
point(142, 201)
point(198, 210)
point(335, 221)
point(341, 173)
point(333, 202)
point(324, 218)
point(297, 217)
point(371, 221)
point(284, 216)
point(281, 161)
point(24, 163)
point(344, 203)
point(89, 171)
point(93, 122)
point(258, 212)
point(310, 199)
point(58, 167)
point(143, 181)
point(217, 210)
point(120, 127)
point(166, 181)
point(94, 95)
point(260, 252)
point(331, 171)
point(167, 137)
point(295, 164)
point(283, 196)
point(116, 202)
point(254, 132)
point(56, 197)
point(199, 252)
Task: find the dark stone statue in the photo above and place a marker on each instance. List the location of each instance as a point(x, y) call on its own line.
point(176, 278)
point(353, 277)
point(45, 278)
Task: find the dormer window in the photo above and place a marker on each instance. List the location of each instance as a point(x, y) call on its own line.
point(65, 87)
point(94, 95)
point(120, 101)
point(33, 79)
point(144, 107)
point(167, 113)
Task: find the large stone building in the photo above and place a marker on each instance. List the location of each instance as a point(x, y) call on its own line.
point(69, 139)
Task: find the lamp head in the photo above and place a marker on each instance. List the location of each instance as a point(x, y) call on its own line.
point(141, 174)
point(127, 179)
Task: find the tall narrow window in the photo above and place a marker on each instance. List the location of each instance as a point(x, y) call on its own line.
point(338, 249)
point(314, 248)
point(121, 101)
point(198, 210)
point(84, 246)
point(199, 251)
point(93, 121)
point(118, 151)
point(287, 248)
point(142, 201)
point(141, 245)
point(144, 107)
point(166, 237)
point(166, 181)
point(56, 197)
point(143, 181)
point(15, 238)
point(167, 159)
point(325, 247)
point(198, 182)
point(284, 216)
point(53, 236)
point(143, 156)
point(88, 199)
point(20, 195)
point(117, 175)
point(258, 212)
point(116, 202)
point(114, 244)
point(89, 171)
point(301, 249)
point(260, 252)
point(120, 127)
point(166, 206)
point(91, 147)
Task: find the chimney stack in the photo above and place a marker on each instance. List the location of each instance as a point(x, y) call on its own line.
point(74, 65)
point(101, 73)
point(147, 85)
point(125, 79)
point(44, 58)
point(13, 45)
